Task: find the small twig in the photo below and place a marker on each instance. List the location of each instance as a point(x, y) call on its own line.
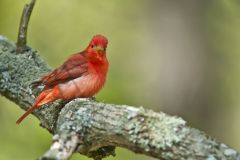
point(22, 31)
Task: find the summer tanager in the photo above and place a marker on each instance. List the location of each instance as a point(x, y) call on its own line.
point(81, 76)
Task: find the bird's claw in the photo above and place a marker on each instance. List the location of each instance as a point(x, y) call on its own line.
point(88, 99)
point(93, 98)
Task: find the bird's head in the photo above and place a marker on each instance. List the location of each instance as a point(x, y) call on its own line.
point(97, 46)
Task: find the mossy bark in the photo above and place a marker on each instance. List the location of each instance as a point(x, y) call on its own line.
point(94, 128)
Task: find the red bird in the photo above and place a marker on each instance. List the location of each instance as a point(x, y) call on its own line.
point(81, 76)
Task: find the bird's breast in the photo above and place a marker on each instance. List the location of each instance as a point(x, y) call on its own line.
point(85, 86)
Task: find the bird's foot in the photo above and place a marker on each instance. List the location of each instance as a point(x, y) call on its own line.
point(93, 98)
point(88, 99)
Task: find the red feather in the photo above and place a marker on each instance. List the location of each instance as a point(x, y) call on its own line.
point(74, 67)
point(82, 75)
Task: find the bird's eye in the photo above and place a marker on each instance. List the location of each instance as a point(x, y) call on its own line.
point(92, 46)
point(104, 49)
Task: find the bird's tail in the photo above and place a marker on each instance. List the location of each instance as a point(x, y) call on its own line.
point(26, 113)
point(45, 97)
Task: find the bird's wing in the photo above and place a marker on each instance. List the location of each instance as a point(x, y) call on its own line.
point(74, 67)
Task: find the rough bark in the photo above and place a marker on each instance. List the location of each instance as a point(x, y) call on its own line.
point(94, 128)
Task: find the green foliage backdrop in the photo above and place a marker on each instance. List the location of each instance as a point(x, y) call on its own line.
point(181, 57)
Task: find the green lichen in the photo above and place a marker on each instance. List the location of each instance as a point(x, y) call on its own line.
point(150, 129)
point(17, 72)
point(142, 129)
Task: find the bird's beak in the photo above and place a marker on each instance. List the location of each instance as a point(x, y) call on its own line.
point(100, 49)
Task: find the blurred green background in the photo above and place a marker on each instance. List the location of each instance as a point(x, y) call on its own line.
point(180, 57)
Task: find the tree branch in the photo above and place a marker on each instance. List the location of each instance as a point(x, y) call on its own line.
point(93, 128)
point(62, 148)
point(23, 26)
